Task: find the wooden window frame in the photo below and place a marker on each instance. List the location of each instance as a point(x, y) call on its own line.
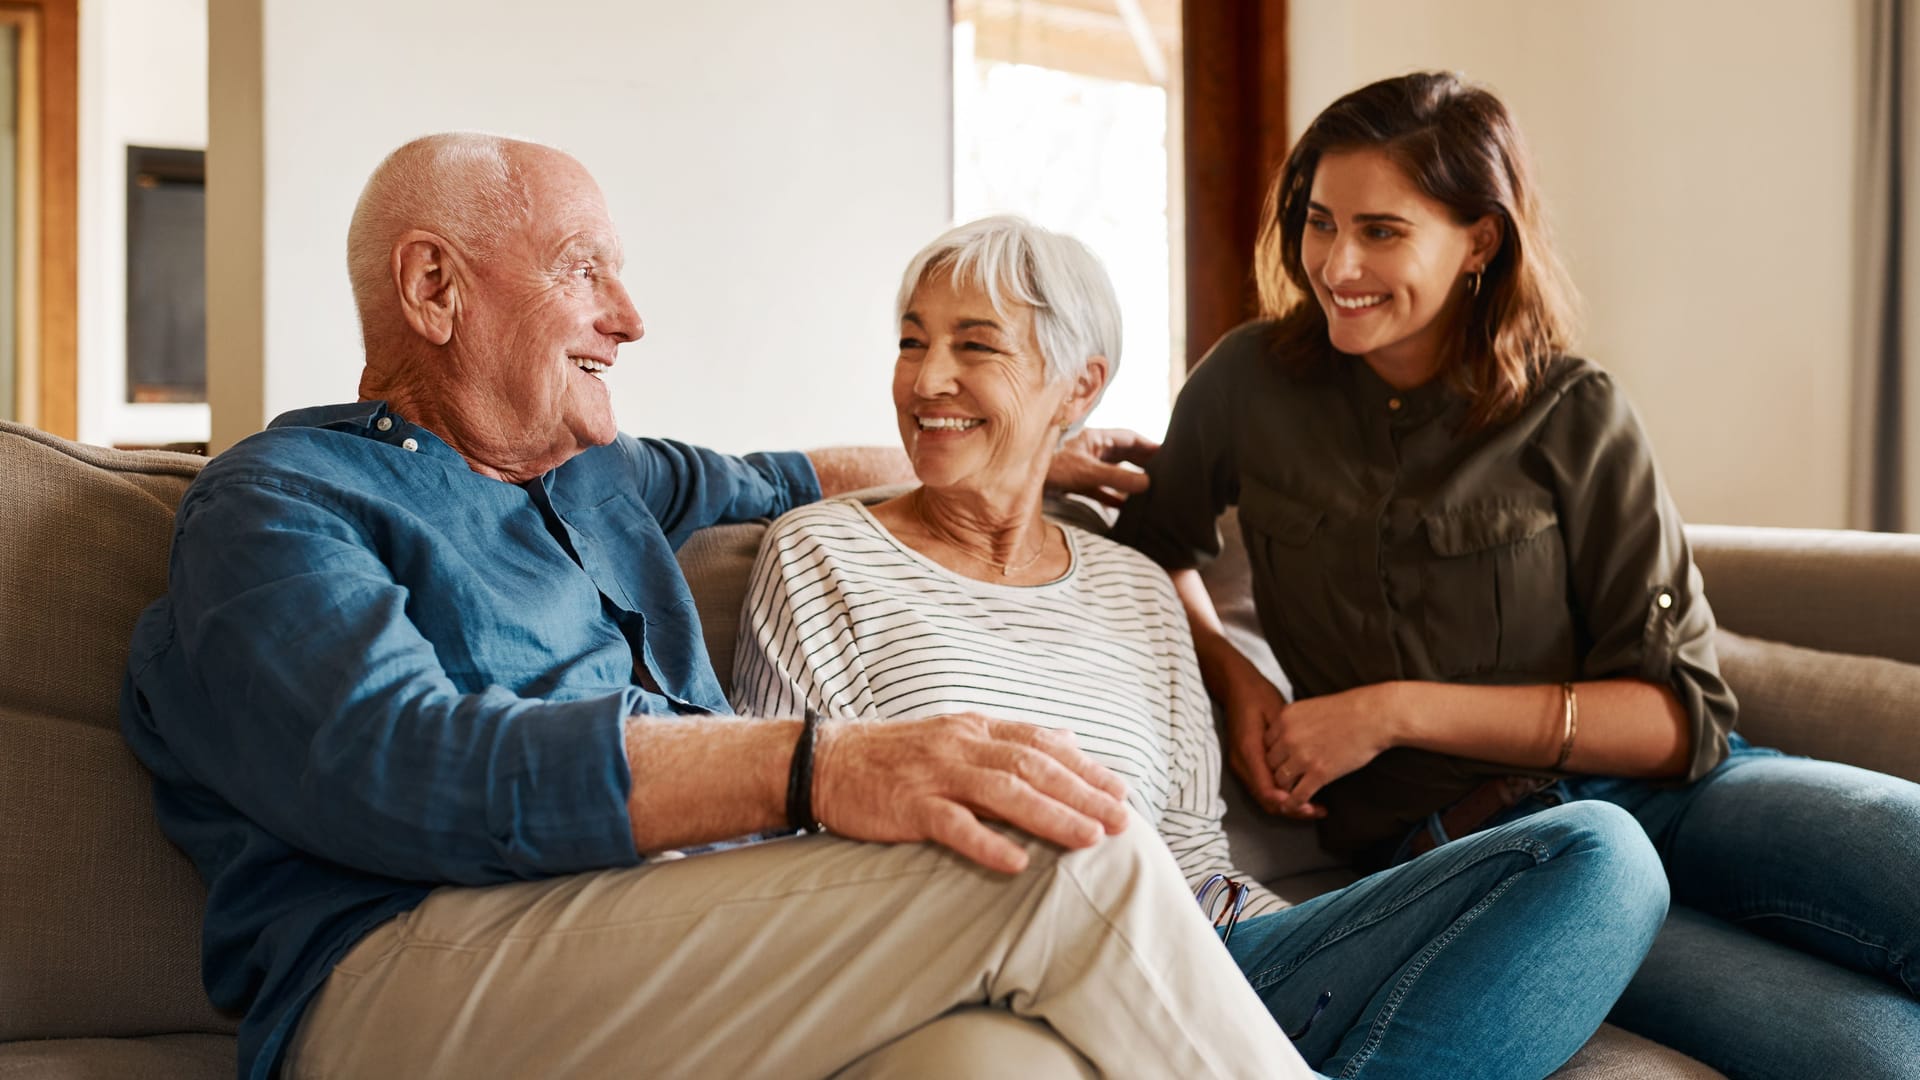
point(47, 293)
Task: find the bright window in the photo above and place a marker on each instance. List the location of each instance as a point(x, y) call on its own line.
point(1067, 114)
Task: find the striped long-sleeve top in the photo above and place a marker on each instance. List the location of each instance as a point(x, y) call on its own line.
point(843, 619)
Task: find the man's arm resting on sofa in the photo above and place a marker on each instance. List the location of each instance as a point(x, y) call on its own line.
point(1093, 463)
point(697, 780)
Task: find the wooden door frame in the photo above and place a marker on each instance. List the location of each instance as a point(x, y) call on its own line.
point(1235, 120)
point(49, 363)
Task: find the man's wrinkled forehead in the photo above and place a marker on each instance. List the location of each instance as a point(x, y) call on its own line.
point(566, 205)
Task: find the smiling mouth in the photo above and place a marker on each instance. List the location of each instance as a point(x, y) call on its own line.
point(589, 365)
point(1358, 303)
point(948, 423)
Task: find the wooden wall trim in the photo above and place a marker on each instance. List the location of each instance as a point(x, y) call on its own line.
point(1235, 118)
point(51, 361)
point(59, 217)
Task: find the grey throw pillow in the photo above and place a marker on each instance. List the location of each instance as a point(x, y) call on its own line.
point(1860, 710)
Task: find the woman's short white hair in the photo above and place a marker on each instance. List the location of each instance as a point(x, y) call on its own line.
point(1075, 312)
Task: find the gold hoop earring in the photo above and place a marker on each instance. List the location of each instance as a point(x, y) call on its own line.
point(1473, 281)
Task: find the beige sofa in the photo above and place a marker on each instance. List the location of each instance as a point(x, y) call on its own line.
point(99, 915)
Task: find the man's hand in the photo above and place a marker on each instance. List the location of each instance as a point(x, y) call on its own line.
point(936, 779)
point(1319, 740)
point(1095, 463)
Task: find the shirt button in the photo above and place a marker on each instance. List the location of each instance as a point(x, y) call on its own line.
point(1665, 599)
point(1393, 404)
point(385, 423)
point(409, 444)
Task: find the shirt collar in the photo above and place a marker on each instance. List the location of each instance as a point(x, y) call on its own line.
point(372, 420)
point(1378, 398)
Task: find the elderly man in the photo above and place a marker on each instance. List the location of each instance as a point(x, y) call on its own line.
point(427, 687)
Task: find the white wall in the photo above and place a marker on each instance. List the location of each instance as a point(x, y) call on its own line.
point(143, 82)
point(771, 167)
point(1698, 160)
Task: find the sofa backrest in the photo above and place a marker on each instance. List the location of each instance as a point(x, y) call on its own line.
point(717, 563)
point(1831, 589)
point(101, 915)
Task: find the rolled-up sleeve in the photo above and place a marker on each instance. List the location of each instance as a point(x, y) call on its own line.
point(1635, 587)
point(309, 701)
point(689, 487)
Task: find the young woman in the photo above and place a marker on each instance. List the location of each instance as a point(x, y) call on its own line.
point(1465, 560)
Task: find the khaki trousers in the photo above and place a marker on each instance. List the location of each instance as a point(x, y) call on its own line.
point(803, 958)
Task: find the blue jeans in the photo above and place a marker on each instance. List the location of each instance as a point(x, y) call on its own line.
point(1493, 957)
point(1793, 949)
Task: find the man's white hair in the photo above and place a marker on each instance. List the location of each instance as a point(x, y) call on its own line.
point(1075, 312)
point(463, 185)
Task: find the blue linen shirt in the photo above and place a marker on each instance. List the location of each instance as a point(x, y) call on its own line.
point(376, 671)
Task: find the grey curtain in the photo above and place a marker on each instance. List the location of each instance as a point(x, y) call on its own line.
point(1885, 492)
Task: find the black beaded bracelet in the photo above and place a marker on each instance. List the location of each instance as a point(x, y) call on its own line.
point(800, 778)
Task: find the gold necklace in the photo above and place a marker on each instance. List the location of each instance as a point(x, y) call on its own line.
point(1007, 569)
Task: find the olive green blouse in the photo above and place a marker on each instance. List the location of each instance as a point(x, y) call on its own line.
point(1385, 544)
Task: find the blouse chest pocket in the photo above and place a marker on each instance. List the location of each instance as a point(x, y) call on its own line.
point(1284, 537)
point(1276, 516)
point(1496, 591)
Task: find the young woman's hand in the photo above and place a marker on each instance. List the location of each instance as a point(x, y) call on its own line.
point(1252, 706)
point(1318, 740)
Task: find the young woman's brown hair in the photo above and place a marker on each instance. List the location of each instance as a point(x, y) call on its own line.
point(1459, 146)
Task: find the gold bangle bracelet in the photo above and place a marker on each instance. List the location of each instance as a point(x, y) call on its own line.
point(1570, 719)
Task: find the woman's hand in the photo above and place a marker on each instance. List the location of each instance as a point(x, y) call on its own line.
point(1253, 707)
point(1314, 742)
point(1095, 463)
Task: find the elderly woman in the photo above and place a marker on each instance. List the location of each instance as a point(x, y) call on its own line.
point(1493, 957)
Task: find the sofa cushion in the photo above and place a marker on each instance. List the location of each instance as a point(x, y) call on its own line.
point(83, 548)
point(1277, 851)
point(176, 1057)
point(102, 914)
point(1836, 706)
point(1617, 1054)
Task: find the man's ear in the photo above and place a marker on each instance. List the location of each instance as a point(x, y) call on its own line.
point(423, 273)
point(1484, 237)
point(1086, 390)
